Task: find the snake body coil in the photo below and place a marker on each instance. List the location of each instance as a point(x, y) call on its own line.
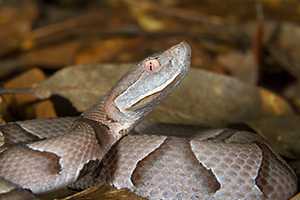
point(155, 161)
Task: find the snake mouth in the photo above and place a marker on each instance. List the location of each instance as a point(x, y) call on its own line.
point(144, 101)
point(154, 97)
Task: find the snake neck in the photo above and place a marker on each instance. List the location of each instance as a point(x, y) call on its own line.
point(97, 116)
point(139, 91)
point(103, 134)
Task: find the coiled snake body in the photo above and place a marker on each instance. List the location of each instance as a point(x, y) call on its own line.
point(155, 161)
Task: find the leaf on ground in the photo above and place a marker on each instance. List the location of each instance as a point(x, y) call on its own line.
point(52, 56)
point(213, 99)
point(107, 50)
point(273, 104)
point(82, 85)
point(26, 79)
point(24, 105)
point(15, 23)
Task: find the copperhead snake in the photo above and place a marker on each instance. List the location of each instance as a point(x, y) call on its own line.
point(156, 161)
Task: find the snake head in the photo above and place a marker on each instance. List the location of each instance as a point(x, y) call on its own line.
point(137, 93)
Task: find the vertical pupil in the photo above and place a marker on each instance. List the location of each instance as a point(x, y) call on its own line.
point(150, 66)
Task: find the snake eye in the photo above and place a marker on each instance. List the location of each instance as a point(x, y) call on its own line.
point(152, 65)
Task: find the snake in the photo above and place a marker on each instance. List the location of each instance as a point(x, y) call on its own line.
point(111, 143)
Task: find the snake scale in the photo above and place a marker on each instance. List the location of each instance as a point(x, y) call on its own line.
point(156, 161)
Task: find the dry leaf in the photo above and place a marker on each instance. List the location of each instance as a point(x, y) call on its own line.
point(106, 50)
point(26, 79)
point(274, 104)
point(44, 109)
point(15, 24)
point(52, 56)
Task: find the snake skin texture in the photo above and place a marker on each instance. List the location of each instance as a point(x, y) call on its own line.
point(12, 133)
point(50, 160)
point(234, 165)
point(199, 168)
point(275, 179)
point(45, 128)
point(34, 130)
point(214, 164)
point(272, 166)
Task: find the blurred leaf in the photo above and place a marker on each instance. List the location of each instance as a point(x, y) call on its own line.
point(15, 24)
point(26, 79)
point(91, 22)
point(17, 102)
point(108, 50)
point(82, 84)
point(273, 104)
point(144, 18)
point(52, 56)
point(44, 109)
